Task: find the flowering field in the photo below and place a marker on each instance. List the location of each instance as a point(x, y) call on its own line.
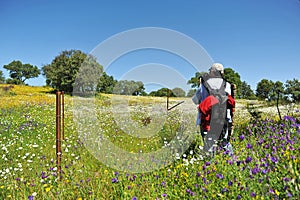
point(265, 164)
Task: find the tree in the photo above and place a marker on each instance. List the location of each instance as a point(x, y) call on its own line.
point(277, 89)
point(178, 92)
point(293, 89)
point(191, 92)
point(194, 81)
point(233, 78)
point(20, 72)
point(125, 87)
point(106, 84)
point(229, 75)
point(163, 92)
point(246, 91)
point(63, 71)
point(264, 89)
point(2, 78)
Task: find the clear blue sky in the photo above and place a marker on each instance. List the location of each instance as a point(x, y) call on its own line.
point(257, 38)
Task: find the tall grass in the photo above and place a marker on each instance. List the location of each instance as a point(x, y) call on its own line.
point(265, 163)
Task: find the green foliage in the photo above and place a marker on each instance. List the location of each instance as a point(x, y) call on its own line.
point(106, 84)
point(246, 92)
point(194, 81)
point(265, 164)
point(264, 89)
point(2, 78)
point(233, 78)
point(163, 92)
point(191, 92)
point(267, 89)
point(61, 73)
point(126, 87)
point(293, 89)
point(178, 92)
point(20, 72)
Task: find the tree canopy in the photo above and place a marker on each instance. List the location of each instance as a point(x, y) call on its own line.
point(229, 75)
point(194, 81)
point(126, 87)
point(106, 83)
point(20, 72)
point(2, 78)
point(293, 89)
point(63, 70)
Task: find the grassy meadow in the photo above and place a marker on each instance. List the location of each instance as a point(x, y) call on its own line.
point(265, 164)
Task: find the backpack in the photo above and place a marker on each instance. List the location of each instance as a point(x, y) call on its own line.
point(216, 111)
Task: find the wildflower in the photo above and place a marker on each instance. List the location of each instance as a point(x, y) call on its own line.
point(224, 190)
point(242, 137)
point(164, 195)
point(249, 146)
point(220, 176)
point(248, 159)
point(253, 194)
point(114, 180)
point(274, 159)
point(30, 197)
point(134, 198)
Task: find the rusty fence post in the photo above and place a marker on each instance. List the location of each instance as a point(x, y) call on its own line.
point(62, 115)
point(58, 132)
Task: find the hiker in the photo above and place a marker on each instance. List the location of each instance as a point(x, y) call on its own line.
point(214, 90)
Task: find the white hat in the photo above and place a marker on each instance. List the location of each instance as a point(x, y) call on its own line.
point(217, 66)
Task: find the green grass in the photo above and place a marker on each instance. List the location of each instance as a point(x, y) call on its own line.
point(265, 162)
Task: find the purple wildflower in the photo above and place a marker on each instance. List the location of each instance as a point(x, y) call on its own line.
point(114, 180)
point(274, 159)
point(134, 198)
point(253, 194)
point(30, 197)
point(220, 176)
point(255, 170)
point(224, 190)
point(242, 137)
point(248, 159)
point(164, 195)
point(249, 146)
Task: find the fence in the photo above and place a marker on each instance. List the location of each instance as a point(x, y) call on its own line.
point(59, 128)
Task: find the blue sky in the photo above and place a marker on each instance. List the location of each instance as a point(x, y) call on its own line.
point(258, 38)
